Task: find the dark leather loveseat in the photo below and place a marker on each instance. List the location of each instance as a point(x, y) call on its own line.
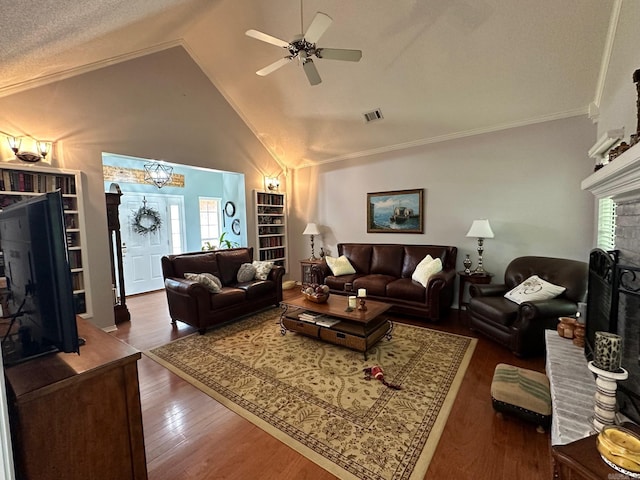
point(385, 270)
point(521, 327)
point(190, 302)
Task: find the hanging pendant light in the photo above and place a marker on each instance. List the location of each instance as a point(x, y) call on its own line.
point(158, 173)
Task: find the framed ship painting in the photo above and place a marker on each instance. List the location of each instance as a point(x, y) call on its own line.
point(400, 211)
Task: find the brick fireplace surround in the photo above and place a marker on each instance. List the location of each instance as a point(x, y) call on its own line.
point(620, 180)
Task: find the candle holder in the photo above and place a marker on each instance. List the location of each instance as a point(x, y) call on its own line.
point(605, 397)
point(351, 303)
point(608, 351)
point(362, 307)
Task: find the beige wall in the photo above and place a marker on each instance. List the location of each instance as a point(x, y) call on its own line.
point(525, 180)
point(160, 106)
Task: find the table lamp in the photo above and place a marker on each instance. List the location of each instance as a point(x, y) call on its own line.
point(480, 229)
point(312, 229)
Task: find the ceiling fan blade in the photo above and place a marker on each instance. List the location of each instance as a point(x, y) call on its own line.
point(312, 72)
point(267, 38)
point(274, 66)
point(318, 26)
point(339, 54)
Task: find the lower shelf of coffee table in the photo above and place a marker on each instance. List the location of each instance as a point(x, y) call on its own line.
point(355, 336)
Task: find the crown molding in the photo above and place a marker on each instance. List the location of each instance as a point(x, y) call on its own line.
point(451, 136)
point(606, 57)
point(89, 67)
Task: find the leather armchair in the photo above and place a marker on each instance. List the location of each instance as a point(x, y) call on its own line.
point(521, 328)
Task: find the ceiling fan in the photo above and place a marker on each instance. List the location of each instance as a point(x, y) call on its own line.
point(303, 47)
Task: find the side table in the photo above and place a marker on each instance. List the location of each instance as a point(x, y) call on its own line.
point(306, 266)
point(580, 460)
point(474, 278)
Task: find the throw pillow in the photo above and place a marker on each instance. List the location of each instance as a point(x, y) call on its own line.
point(340, 266)
point(246, 273)
point(208, 280)
point(532, 289)
point(427, 267)
point(262, 269)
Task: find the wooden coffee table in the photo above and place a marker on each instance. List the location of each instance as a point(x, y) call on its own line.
point(355, 329)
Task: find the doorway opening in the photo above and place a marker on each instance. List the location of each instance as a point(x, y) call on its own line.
point(176, 206)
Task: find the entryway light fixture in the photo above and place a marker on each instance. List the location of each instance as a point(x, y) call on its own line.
point(481, 230)
point(158, 173)
point(43, 149)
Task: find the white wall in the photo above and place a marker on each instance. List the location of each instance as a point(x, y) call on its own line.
point(525, 180)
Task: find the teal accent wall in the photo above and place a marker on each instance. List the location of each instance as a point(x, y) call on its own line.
point(198, 182)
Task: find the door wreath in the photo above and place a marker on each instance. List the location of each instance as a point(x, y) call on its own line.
point(146, 220)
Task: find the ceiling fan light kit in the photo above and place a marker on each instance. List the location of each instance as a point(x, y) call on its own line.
point(303, 47)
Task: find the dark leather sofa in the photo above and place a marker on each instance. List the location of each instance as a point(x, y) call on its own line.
point(191, 303)
point(385, 270)
point(521, 328)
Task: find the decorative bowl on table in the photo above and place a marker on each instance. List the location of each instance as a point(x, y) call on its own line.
point(316, 293)
point(620, 449)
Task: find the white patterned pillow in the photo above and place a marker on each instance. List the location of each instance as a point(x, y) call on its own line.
point(262, 269)
point(532, 289)
point(246, 273)
point(208, 280)
point(340, 266)
point(427, 267)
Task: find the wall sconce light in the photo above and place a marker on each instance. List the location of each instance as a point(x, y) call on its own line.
point(271, 184)
point(158, 174)
point(43, 148)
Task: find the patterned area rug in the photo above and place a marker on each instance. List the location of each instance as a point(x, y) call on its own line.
point(314, 397)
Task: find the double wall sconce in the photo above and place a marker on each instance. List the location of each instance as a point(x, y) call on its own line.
point(43, 149)
point(158, 173)
point(271, 184)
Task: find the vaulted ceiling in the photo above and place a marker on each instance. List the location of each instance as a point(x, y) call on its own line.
point(436, 69)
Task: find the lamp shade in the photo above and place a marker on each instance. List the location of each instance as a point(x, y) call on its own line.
point(312, 229)
point(480, 229)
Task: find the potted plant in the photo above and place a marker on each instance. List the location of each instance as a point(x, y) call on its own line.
point(222, 243)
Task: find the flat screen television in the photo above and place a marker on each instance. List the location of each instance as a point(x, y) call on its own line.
point(41, 315)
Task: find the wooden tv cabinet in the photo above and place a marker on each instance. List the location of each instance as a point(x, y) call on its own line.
point(78, 416)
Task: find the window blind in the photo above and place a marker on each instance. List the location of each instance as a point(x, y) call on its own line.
point(606, 224)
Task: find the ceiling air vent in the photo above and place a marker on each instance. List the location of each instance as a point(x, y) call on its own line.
point(374, 115)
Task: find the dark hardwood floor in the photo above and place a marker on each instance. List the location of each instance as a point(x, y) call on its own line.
point(189, 435)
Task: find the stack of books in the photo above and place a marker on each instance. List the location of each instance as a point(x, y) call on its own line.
point(319, 319)
point(310, 317)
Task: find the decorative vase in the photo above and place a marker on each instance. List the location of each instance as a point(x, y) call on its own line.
point(467, 265)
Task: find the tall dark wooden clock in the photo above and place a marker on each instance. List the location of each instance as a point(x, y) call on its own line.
point(120, 310)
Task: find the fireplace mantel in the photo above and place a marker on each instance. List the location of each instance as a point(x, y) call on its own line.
point(619, 179)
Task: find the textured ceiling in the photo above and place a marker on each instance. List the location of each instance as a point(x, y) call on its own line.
point(437, 69)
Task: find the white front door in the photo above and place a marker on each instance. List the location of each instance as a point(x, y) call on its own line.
point(143, 250)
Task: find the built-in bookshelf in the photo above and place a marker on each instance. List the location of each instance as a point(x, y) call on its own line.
point(18, 182)
point(271, 227)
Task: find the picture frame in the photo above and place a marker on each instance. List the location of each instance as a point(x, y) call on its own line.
point(399, 211)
